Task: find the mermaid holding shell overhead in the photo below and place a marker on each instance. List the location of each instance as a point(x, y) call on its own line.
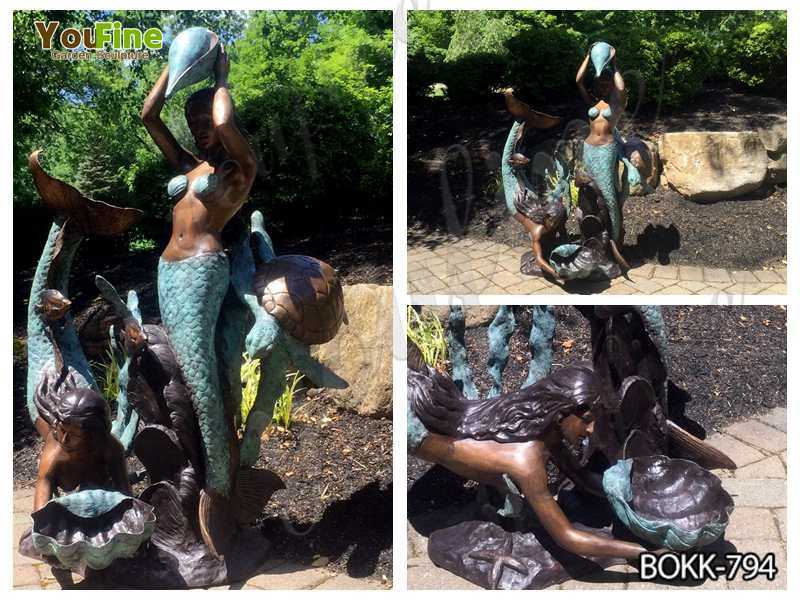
point(179, 406)
point(193, 272)
point(603, 148)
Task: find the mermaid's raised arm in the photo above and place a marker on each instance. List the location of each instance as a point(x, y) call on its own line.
point(579, 80)
point(222, 115)
point(181, 159)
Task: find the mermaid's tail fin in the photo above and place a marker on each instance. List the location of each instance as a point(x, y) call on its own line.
point(254, 488)
point(221, 517)
point(523, 112)
point(86, 215)
point(693, 448)
point(217, 523)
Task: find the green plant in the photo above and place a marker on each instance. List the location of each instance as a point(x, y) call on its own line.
point(141, 244)
point(427, 333)
point(282, 413)
point(108, 377)
point(251, 372)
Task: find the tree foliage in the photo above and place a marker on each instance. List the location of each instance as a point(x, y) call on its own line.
point(312, 92)
point(667, 56)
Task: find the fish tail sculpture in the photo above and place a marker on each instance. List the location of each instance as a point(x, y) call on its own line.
point(507, 171)
point(190, 295)
point(601, 165)
point(75, 216)
point(500, 331)
point(540, 342)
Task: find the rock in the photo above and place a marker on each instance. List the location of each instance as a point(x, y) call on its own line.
point(361, 353)
point(474, 316)
point(776, 171)
point(704, 166)
point(774, 140)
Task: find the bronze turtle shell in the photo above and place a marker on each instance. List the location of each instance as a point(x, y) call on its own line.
point(304, 294)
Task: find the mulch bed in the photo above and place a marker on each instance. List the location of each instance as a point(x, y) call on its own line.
point(337, 467)
point(748, 232)
point(728, 363)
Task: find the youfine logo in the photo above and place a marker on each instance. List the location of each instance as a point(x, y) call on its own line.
point(103, 35)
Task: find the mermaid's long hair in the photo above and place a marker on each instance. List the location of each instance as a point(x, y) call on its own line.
point(516, 417)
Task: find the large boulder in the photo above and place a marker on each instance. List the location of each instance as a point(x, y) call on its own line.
point(361, 353)
point(705, 166)
point(774, 140)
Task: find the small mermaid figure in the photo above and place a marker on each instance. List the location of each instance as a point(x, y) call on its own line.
point(542, 214)
point(193, 272)
point(601, 149)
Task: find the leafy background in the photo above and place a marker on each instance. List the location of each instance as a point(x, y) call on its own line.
point(313, 93)
point(666, 56)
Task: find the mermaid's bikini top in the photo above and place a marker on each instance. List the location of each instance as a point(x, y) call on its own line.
point(594, 112)
point(204, 185)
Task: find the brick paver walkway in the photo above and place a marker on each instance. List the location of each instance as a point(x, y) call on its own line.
point(276, 574)
point(464, 266)
point(758, 522)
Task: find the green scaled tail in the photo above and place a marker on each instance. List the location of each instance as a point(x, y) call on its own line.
point(41, 353)
point(601, 164)
point(190, 295)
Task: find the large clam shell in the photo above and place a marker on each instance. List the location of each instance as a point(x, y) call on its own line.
point(673, 503)
point(92, 528)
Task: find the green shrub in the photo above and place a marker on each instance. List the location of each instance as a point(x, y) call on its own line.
point(755, 55)
point(536, 62)
point(427, 333)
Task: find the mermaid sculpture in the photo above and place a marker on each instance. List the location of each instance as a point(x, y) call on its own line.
point(179, 407)
point(542, 214)
point(601, 150)
point(583, 419)
point(209, 302)
point(82, 473)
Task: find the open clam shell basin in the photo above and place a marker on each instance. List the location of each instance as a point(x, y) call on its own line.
point(673, 503)
point(92, 528)
point(304, 294)
point(192, 55)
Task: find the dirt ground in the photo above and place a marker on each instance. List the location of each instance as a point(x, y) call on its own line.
point(337, 467)
point(748, 232)
point(728, 363)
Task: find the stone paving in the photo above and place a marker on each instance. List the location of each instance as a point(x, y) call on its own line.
point(276, 574)
point(758, 522)
point(464, 266)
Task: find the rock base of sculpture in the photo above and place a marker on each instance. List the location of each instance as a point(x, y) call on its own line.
point(188, 566)
point(528, 266)
point(491, 557)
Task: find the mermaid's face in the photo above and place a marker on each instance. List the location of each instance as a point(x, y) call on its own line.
point(577, 432)
point(550, 223)
point(201, 125)
point(53, 305)
point(602, 86)
point(72, 437)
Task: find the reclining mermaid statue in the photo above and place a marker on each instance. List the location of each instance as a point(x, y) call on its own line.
point(583, 419)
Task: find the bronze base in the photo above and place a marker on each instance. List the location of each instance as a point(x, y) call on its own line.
point(191, 565)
